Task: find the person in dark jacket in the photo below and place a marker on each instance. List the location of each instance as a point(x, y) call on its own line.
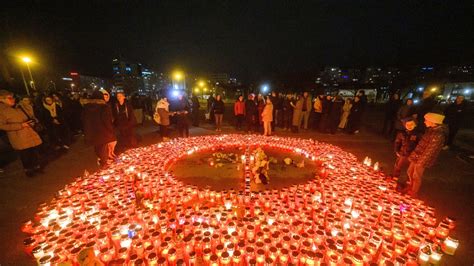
point(98, 127)
point(407, 110)
point(124, 121)
point(355, 116)
point(405, 143)
point(210, 103)
point(54, 121)
point(218, 108)
point(427, 105)
point(325, 108)
point(427, 150)
point(335, 114)
point(76, 109)
point(138, 106)
point(195, 110)
point(287, 112)
point(239, 112)
point(251, 113)
point(182, 116)
point(454, 113)
point(391, 109)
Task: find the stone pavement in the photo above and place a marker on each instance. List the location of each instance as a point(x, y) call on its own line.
point(448, 186)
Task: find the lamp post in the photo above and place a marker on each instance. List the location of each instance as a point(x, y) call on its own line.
point(24, 82)
point(27, 61)
point(177, 76)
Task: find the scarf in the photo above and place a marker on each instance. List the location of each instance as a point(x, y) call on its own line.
point(163, 105)
point(51, 108)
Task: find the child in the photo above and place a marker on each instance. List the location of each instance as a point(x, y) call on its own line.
point(405, 143)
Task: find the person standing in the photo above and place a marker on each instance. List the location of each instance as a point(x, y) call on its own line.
point(287, 112)
point(162, 108)
point(98, 127)
point(267, 117)
point(239, 112)
point(125, 121)
point(210, 104)
point(454, 113)
point(407, 110)
point(138, 105)
point(182, 119)
point(260, 106)
point(405, 143)
point(218, 109)
point(195, 110)
point(250, 113)
point(19, 129)
point(346, 110)
point(355, 116)
point(297, 113)
point(335, 113)
point(54, 121)
point(326, 108)
point(305, 110)
point(391, 109)
point(318, 110)
point(427, 105)
point(427, 150)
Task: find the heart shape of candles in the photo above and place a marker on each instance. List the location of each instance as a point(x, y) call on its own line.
point(136, 211)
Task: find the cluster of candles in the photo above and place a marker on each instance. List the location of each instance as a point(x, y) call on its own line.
point(137, 213)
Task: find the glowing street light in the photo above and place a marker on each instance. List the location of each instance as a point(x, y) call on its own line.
point(27, 60)
point(434, 89)
point(265, 88)
point(201, 83)
point(196, 90)
point(178, 75)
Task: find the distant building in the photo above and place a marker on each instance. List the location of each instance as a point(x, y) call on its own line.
point(137, 78)
point(219, 78)
point(77, 82)
point(451, 90)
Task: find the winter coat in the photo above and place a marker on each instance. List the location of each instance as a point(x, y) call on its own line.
point(427, 105)
point(250, 108)
point(336, 110)
point(218, 107)
point(430, 145)
point(318, 105)
point(406, 141)
point(47, 117)
point(455, 114)
point(267, 113)
point(297, 111)
point(404, 112)
point(391, 109)
point(97, 122)
point(10, 121)
point(123, 115)
point(346, 110)
point(162, 108)
point(239, 108)
point(307, 104)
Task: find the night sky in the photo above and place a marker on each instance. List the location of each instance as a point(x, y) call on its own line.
point(249, 39)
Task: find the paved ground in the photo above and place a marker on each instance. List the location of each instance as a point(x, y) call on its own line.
point(448, 186)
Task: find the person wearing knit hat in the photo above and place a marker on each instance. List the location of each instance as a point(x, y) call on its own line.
point(427, 151)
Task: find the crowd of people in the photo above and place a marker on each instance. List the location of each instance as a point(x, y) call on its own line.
point(291, 112)
point(42, 127)
point(47, 124)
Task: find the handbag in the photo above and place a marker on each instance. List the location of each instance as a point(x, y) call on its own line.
point(36, 126)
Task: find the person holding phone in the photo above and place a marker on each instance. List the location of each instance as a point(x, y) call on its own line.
point(20, 133)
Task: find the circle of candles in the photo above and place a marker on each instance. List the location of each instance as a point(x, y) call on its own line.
point(138, 207)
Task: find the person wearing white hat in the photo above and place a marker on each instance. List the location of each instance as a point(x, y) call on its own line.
point(427, 150)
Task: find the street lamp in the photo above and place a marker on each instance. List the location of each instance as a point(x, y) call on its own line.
point(177, 76)
point(27, 60)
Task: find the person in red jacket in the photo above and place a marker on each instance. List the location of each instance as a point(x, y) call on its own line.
point(427, 150)
point(239, 112)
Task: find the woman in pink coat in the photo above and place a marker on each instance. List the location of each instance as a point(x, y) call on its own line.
point(267, 117)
